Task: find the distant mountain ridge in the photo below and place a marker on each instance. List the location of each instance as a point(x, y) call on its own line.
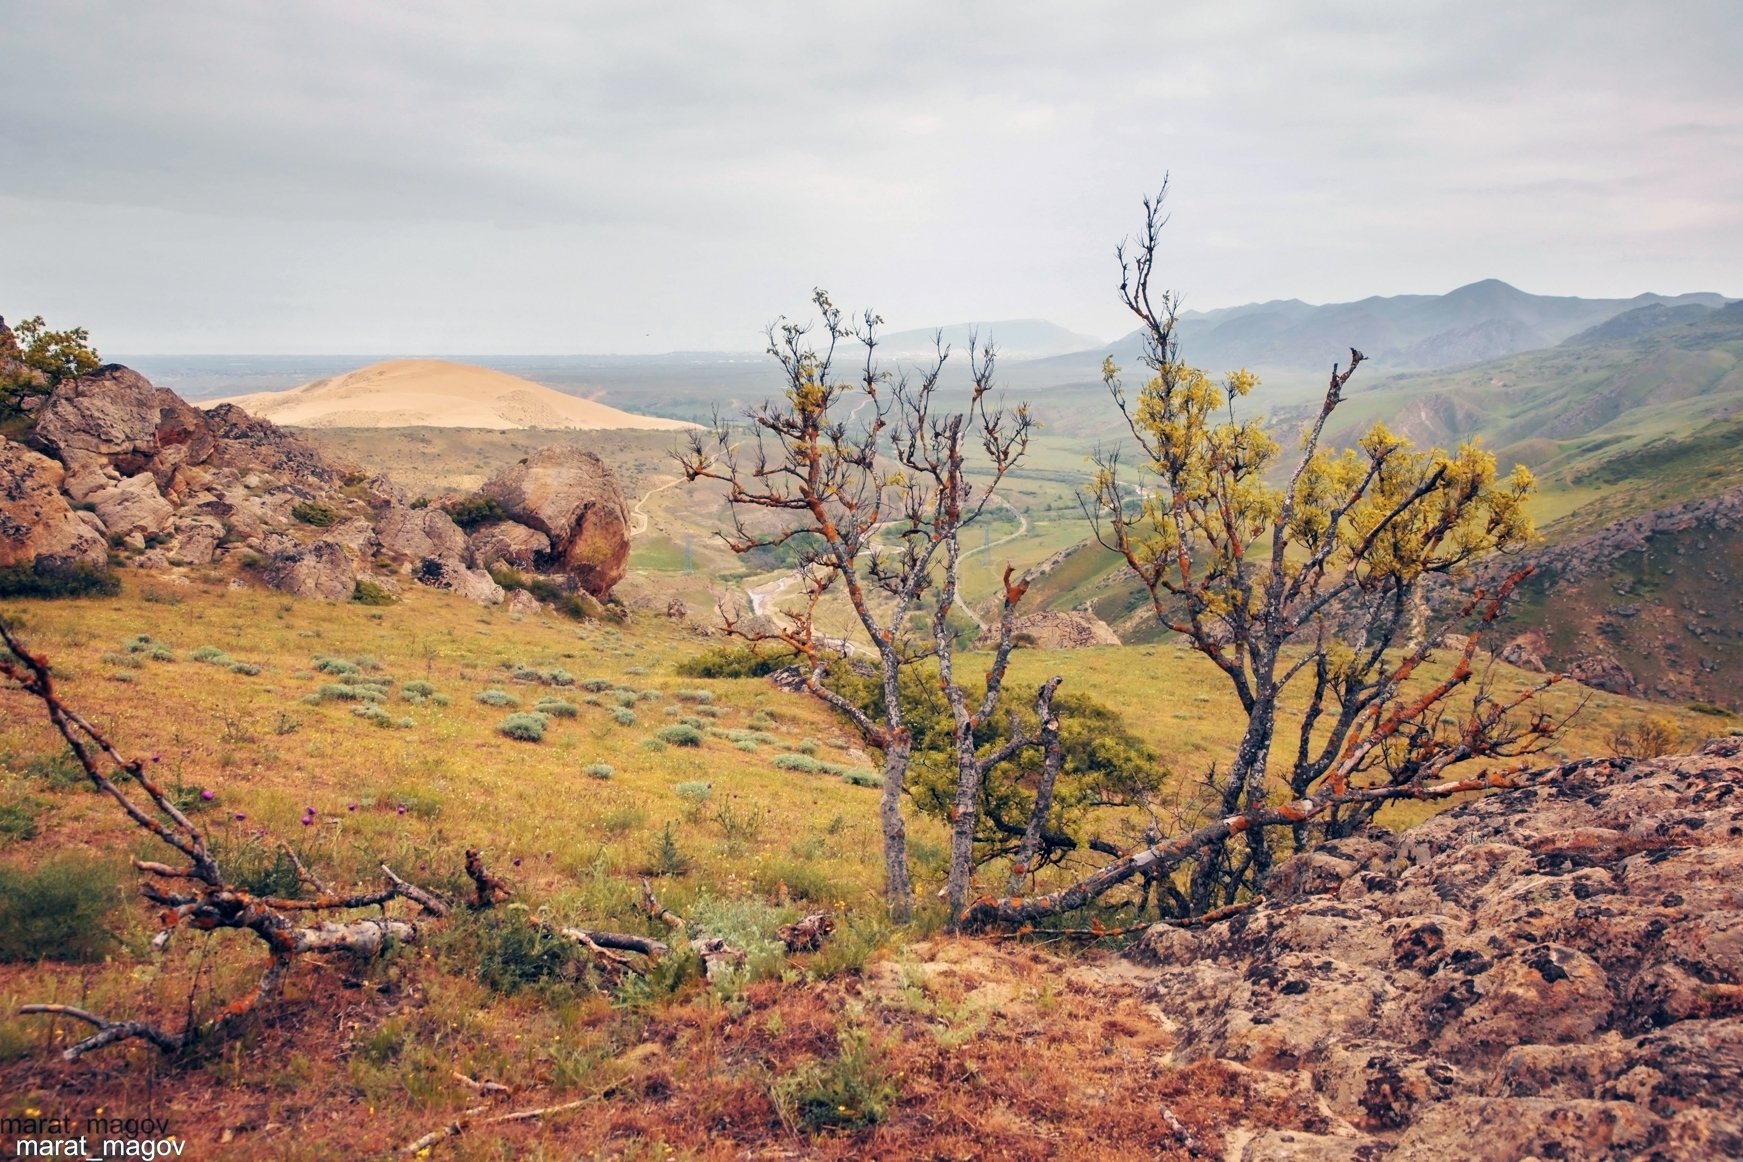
point(1289, 338)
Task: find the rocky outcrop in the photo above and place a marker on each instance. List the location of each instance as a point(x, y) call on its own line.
point(36, 522)
point(1555, 971)
point(168, 485)
point(572, 497)
point(116, 416)
point(1052, 630)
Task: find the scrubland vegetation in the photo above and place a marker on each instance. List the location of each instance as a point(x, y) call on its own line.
point(744, 818)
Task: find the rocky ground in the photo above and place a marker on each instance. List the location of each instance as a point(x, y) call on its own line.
point(1554, 972)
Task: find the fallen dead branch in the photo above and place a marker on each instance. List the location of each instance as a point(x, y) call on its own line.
point(465, 1121)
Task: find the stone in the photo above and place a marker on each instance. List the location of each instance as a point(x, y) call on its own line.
point(36, 522)
point(415, 533)
point(196, 540)
point(522, 604)
point(507, 542)
point(133, 505)
point(572, 497)
point(322, 569)
point(117, 414)
point(1553, 971)
point(451, 573)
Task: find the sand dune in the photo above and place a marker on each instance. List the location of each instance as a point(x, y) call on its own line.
point(405, 393)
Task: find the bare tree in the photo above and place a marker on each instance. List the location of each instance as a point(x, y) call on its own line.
point(875, 501)
point(1312, 587)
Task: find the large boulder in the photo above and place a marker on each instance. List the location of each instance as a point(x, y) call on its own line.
point(117, 415)
point(133, 505)
point(36, 522)
point(572, 497)
point(416, 533)
point(321, 569)
point(1553, 971)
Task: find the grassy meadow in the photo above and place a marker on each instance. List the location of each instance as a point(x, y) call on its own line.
point(360, 735)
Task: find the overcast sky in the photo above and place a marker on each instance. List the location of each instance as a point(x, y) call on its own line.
point(456, 177)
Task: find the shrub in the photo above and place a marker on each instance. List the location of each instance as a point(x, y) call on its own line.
point(120, 676)
point(734, 662)
point(472, 511)
point(700, 697)
point(340, 667)
point(597, 685)
point(741, 824)
point(525, 727)
point(57, 909)
point(862, 778)
point(371, 593)
point(211, 655)
point(791, 877)
point(693, 722)
point(246, 669)
point(600, 771)
point(342, 692)
point(511, 953)
point(496, 697)
point(624, 697)
point(312, 512)
point(849, 1091)
point(44, 580)
point(1711, 709)
point(623, 716)
point(681, 734)
point(18, 819)
point(798, 762)
point(694, 797)
point(557, 707)
point(666, 858)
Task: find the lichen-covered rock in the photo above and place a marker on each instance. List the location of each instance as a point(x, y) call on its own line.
point(415, 533)
point(1553, 971)
point(451, 573)
point(321, 569)
point(507, 542)
point(117, 415)
point(574, 499)
point(133, 505)
point(197, 539)
point(36, 522)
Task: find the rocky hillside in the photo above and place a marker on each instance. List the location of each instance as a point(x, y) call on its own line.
point(1650, 605)
point(120, 471)
point(1553, 972)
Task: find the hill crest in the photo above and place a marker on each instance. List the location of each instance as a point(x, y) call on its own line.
point(403, 393)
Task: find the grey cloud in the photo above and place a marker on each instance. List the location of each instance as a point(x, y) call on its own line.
point(620, 175)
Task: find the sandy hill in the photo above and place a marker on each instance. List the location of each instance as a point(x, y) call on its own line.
point(401, 393)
